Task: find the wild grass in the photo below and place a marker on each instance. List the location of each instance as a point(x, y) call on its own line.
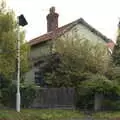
point(110, 115)
point(38, 114)
point(53, 114)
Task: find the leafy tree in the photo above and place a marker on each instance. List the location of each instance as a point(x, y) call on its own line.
point(114, 72)
point(85, 54)
point(79, 58)
point(85, 65)
point(8, 42)
point(116, 51)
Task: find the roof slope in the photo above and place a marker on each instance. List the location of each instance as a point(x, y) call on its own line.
point(61, 30)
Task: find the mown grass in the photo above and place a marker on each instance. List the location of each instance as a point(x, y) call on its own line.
point(37, 114)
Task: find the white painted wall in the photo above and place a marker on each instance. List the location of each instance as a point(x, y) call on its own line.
point(83, 32)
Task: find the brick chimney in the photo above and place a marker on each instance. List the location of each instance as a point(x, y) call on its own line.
point(52, 20)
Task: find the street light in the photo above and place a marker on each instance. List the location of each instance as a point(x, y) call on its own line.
point(21, 21)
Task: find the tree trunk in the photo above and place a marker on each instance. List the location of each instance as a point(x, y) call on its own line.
point(98, 101)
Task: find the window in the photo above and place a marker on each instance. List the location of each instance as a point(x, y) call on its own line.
point(39, 79)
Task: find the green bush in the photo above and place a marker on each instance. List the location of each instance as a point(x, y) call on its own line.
point(111, 102)
point(84, 99)
point(97, 84)
point(28, 93)
point(111, 105)
point(85, 102)
point(8, 96)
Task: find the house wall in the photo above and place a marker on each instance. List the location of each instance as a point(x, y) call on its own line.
point(44, 48)
point(35, 53)
point(30, 76)
point(83, 32)
point(39, 50)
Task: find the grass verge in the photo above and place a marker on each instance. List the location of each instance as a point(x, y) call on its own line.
point(52, 114)
point(38, 114)
point(110, 115)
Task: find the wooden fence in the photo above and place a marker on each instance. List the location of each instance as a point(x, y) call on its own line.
point(54, 98)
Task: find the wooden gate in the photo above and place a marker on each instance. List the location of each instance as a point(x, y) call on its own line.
point(54, 98)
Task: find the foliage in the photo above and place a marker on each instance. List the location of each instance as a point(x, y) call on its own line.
point(84, 99)
point(96, 83)
point(85, 65)
point(4, 83)
point(116, 59)
point(64, 77)
point(113, 73)
point(8, 96)
point(28, 94)
point(111, 104)
point(116, 50)
point(78, 59)
point(8, 41)
point(82, 54)
point(100, 84)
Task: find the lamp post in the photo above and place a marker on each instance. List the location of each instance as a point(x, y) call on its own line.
point(21, 21)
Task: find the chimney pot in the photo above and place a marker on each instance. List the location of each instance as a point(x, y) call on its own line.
point(52, 20)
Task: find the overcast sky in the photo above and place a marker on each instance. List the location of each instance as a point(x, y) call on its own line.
point(101, 14)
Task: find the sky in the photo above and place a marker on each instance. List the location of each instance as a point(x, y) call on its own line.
point(103, 15)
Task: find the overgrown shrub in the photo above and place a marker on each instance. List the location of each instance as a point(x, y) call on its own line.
point(111, 102)
point(4, 86)
point(8, 96)
point(28, 94)
point(83, 100)
point(97, 84)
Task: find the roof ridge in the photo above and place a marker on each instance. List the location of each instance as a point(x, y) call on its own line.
point(61, 30)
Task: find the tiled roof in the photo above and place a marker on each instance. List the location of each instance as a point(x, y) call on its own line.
point(59, 31)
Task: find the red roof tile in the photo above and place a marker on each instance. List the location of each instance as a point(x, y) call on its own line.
point(49, 35)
